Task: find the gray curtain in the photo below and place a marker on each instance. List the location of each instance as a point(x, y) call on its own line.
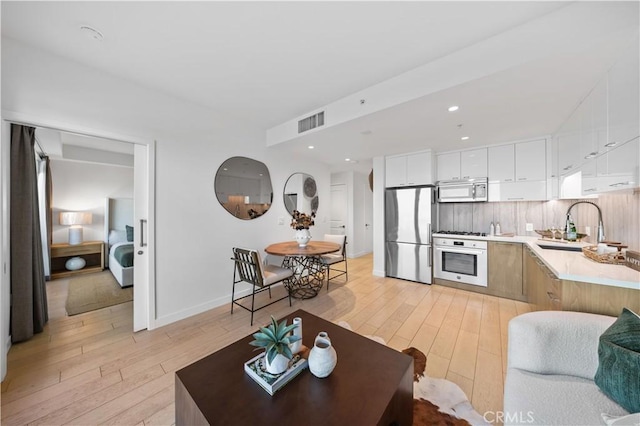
point(28, 292)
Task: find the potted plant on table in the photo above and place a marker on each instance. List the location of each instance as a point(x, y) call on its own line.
point(301, 222)
point(276, 338)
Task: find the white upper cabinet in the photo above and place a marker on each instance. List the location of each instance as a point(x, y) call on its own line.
point(473, 164)
point(601, 138)
point(502, 166)
point(518, 171)
point(409, 170)
point(624, 105)
point(569, 146)
point(396, 171)
point(531, 158)
point(618, 167)
point(448, 166)
point(524, 161)
point(462, 164)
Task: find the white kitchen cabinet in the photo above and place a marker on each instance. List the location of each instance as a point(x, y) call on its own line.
point(518, 191)
point(396, 171)
point(448, 166)
point(569, 146)
point(517, 172)
point(618, 167)
point(624, 102)
point(553, 185)
point(420, 169)
point(462, 164)
point(409, 169)
point(589, 177)
point(473, 163)
point(531, 160)
point(502, 166)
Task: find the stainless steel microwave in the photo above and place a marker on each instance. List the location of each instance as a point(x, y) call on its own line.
point(462, 191)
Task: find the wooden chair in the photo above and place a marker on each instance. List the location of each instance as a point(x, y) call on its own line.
point(332, 259)
point(249, 268)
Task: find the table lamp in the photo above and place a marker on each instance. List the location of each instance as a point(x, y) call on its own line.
point(76, 220)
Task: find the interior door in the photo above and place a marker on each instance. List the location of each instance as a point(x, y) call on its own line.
point(368, 219)
point(339, 209)
point(141, 238)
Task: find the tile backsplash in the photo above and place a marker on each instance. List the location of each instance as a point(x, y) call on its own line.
point(620, 215)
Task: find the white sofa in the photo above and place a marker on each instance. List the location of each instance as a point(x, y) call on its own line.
point(552, 360)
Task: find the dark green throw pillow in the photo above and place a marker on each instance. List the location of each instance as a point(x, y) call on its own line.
point(618, 374)
point(129, 232)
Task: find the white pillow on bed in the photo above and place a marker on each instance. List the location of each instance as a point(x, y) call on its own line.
point(117, 237)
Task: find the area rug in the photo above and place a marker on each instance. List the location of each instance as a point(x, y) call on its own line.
point(436, 402)
point(94, 291)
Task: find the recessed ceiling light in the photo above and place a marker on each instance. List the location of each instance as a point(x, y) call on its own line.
point(92, 32)
point(453, 108)
point(464, 138)
point(347, 159)
point(311, 147)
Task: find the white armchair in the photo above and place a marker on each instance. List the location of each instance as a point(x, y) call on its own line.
point(552, 360)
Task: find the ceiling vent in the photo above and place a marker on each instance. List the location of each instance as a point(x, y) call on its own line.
point(311, 122)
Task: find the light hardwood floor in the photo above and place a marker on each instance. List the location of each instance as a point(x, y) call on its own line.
point(92, 369)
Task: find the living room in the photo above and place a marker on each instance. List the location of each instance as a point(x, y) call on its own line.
point(191, 137)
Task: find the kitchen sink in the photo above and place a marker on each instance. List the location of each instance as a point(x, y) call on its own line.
point(562, 246)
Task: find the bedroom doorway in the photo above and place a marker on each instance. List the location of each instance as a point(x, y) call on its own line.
point(144, 181)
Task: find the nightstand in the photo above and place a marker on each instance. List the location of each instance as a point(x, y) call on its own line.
point(91, 251)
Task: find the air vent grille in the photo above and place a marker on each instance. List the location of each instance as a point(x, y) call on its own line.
point(311, 122)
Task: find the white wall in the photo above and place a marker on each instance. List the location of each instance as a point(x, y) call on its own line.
point(84, 187)
point(194, 234)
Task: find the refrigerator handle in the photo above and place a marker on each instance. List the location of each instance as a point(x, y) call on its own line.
point(430, 237)
point(430, 256)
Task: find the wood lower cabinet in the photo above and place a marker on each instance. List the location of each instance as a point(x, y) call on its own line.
point(91, 251)
point(547, 292)
point(544, 290)
point(505, 270)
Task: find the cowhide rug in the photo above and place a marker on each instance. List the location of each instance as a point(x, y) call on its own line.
point(436, 402)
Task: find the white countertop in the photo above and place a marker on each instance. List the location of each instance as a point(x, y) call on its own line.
point(569, 265)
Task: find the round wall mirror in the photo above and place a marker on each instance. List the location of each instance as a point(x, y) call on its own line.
point(301, 193)
point(243, 187)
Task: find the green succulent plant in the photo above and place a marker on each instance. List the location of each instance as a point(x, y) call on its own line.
point(275, 338)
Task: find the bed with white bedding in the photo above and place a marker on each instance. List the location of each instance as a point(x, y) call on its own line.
point(118, 217)
point(121, 259)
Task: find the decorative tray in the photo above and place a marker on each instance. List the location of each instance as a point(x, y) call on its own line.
point(616, 258)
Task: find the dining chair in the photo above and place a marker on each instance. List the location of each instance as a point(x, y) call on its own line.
point(330, 260)
point(250, 269)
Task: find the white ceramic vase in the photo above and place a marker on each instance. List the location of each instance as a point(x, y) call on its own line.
point(323, 357)
point(279, 364)
point(75, 263)
point(296, 346)
point(303, 236)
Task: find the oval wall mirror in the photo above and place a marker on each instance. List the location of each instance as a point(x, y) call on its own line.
point(301, 193)
point(243, 187)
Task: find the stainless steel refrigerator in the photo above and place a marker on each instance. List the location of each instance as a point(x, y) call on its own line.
point(408, 215)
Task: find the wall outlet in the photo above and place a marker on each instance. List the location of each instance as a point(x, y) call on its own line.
point(529, 227)
point(281, 220)
point(587, 230)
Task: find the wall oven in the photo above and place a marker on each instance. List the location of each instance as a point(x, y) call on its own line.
point(463, 261)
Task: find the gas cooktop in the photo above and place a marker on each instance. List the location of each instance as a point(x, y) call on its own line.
point(474, 234)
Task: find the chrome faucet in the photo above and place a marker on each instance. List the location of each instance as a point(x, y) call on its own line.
point(600, 224)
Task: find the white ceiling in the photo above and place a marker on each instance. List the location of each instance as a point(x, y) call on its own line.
point(270, 62)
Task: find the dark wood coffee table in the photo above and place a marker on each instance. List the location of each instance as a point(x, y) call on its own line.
point(371, 384)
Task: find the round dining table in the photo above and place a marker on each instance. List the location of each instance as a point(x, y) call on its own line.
point(306, 262)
